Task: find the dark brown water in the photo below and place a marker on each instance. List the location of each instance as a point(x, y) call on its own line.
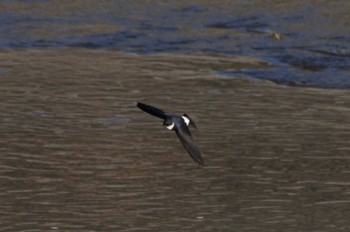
point(77, 155)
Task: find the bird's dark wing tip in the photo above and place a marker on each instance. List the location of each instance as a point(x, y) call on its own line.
point(151, 110)
point(199, 160)
point(184, 135)
point(139, 104)
point(201, 164)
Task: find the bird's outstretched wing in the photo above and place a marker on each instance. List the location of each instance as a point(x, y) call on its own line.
point(185, 137)
point(152, 110)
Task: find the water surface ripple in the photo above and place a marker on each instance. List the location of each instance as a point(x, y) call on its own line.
point(307, 43)
point(77, 155)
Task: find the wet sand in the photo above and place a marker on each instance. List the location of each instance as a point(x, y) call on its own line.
point(78, 155)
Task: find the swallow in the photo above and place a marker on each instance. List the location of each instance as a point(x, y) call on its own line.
point(179, 124)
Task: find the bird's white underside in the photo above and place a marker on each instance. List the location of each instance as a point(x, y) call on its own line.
point(187, 120)
point(170, 127)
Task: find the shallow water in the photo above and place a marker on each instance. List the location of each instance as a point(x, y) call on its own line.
point(306, 43)
point(78, 155)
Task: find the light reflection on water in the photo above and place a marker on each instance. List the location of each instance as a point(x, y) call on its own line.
point(77, 154)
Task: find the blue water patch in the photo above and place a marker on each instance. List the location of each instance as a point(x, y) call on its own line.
point(305, 46)
point(324, 68)
point(244, 23)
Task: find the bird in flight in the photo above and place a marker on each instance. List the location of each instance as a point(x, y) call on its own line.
point(180, 125)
